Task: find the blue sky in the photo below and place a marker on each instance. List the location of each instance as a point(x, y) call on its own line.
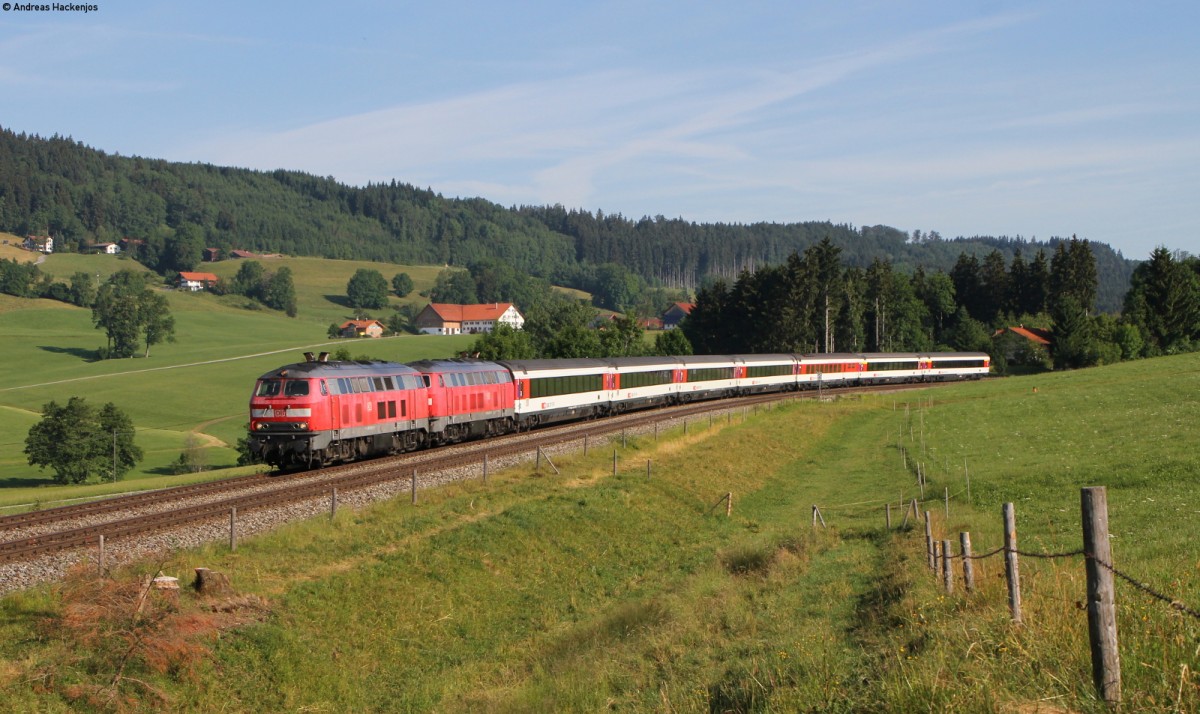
point(973, 117)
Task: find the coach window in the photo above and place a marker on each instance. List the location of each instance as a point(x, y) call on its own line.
point(379, 385)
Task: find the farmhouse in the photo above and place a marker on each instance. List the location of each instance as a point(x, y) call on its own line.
point(675, 314)
point(211, 255)
point(106, 248)
point(446, 319)
point(362, 328)
point(42, 244)
point(196, 281)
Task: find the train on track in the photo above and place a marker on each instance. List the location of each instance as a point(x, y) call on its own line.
point(319, 412)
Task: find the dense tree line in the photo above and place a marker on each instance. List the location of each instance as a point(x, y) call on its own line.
point(815, 302)
point(275, 290)
point(81, 195)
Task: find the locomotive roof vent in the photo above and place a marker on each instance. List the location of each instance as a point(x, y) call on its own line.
point(308, 357)
point(323, 357)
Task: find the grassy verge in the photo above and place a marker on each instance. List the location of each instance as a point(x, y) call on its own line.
point(586, 591)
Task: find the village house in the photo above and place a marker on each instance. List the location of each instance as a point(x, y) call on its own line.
point(42, 244)
point(675, 314)
point(362, 328)
point(446, 319)
point(212, 255)
point(133, 246)
point(106, 248)
point(1022, 345)
point(196, 281)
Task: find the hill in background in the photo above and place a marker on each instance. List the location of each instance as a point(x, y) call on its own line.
point(83, 195)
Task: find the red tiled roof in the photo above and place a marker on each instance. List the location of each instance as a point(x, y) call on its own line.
point(1033, 334)
point(686, 307)
point(361, 324)
point(463, 313)
point(199, 277)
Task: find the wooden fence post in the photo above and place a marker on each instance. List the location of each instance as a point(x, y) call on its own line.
point(585, 436)
point(233, 528)
point(947, 503)
point(929, 543)
point(656, 432)
point(1101, 605)
point(947, 566)
point(614, 462)
point(622, 438)
point(964, 542)
point(102, 554)
point(1012, 572)
point(485, 464)
point(546, 456)
point(937, 557)
point(537, 460)
point(648, 462)
point(729, 505)
point(414, 487)
point(685, 421)
point(333, 503)
point(888, 512)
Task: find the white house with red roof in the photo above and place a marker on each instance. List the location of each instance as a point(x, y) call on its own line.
point(196, 281)
point(447, 319)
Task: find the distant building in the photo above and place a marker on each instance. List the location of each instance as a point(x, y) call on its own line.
point(241, 254)
point(650, 323)
point(362, 328)
point(212, 255)
point(42, 244)
point(1022, 345)
point(675, 314)
point(106, 248)
point(196, 281)
point(446, 319)
point(132, 246)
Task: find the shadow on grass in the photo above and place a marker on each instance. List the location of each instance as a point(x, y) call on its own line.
point(26, 482)
point(340, 301)
point(83, 354)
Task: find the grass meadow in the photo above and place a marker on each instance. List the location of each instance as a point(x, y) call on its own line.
point(586, 591)
point(198, 384)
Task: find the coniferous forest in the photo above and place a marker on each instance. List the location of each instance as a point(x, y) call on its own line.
point(80, 195)
point(764, 287)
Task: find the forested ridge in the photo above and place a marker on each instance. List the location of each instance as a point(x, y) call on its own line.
point(82, 195)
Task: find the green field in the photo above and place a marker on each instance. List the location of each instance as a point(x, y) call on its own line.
point(200, 383)
point(586, 592)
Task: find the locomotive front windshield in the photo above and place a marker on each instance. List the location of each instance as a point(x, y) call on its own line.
point(290, 388)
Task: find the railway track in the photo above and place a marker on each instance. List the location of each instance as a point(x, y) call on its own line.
point(59, 529)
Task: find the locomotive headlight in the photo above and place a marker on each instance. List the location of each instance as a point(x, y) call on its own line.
point(302, 426)
point(260, 425)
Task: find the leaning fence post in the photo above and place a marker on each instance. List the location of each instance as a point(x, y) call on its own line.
point(1012, 572)
point(947, 566)
point(729, 505)
point(233, 528)
point(964, 542)
point(929, 543)
point(1101, 606)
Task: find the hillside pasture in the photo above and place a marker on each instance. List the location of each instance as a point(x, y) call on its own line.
point(586, 591)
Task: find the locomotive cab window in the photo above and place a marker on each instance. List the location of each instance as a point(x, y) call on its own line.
point(268, 388)
point(295, 388)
